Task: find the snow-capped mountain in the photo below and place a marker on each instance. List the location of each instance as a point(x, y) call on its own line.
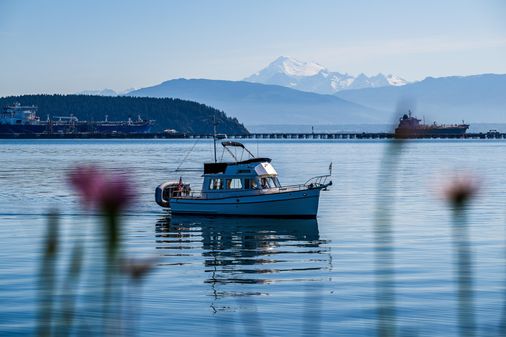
point(105, 92)
point(100, 92)
point(313, 77)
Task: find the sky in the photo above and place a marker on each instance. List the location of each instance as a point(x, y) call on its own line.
point(69, 46)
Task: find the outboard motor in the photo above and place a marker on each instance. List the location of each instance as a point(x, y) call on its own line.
point(163, 193)
point(171, 189)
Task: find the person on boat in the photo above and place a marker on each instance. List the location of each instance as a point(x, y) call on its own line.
point(264, 183)
point(217, 184)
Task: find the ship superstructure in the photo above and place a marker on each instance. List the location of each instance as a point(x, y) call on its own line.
point(19, 118)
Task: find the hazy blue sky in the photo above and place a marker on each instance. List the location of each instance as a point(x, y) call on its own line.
point(68, 46)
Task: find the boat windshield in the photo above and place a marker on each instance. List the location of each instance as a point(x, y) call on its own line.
point(269, 182)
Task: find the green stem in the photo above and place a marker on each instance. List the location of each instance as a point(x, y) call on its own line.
point(112, 240)
point(463, 265)
point(47, 277)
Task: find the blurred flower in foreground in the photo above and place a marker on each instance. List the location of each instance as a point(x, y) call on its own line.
point(101, 189)
point(460, 188)
point(138, 268)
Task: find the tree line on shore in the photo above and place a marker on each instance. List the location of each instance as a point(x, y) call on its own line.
point(168, 113)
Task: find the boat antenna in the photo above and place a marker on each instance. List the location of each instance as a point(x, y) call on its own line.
point(214, 137)
point(179, 169)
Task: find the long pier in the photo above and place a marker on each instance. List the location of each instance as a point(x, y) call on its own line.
point(354, 135)
point(272, 135)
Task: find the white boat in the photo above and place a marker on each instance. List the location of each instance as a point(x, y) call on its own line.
point(243, 188)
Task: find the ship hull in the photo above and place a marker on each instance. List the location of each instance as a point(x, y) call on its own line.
point(430, 132)
point(22, 128)
point(72, 128)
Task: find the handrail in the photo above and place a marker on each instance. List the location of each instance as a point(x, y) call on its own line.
point(319, 180)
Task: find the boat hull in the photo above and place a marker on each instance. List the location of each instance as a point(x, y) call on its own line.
point(289, 204)
point(22, 128)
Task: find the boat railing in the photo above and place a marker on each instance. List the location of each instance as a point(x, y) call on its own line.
point(195, 194)
point(315, 182)
point(323, 180)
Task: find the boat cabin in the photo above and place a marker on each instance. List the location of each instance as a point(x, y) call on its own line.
point(254, 175)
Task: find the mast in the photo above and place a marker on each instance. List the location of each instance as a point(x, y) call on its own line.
point(214, 138)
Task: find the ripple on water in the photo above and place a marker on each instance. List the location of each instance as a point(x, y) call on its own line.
point(218, 276)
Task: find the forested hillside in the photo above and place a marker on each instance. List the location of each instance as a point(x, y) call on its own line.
point(169, 113)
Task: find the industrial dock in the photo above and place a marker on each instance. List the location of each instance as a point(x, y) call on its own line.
point(273, 135)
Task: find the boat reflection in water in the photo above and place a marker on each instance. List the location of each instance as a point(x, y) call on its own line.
point(243, 256)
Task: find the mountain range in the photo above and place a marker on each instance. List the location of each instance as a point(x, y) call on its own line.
point(255, 104)
point(476, 98)
point(313, 77)
point(104, 92)
point(292, 92)
point(305, 76)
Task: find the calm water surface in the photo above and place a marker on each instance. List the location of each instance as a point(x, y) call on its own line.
point(259, 276)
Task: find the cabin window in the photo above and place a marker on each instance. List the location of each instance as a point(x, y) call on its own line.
point(216, 184)
point(269, 182)
point(234, 184)
point(250, 183)
point(265, 183)
point(275, 182)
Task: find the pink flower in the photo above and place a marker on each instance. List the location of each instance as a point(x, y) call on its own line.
point(137, 268)
point(101, 189)
point(460, 188)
